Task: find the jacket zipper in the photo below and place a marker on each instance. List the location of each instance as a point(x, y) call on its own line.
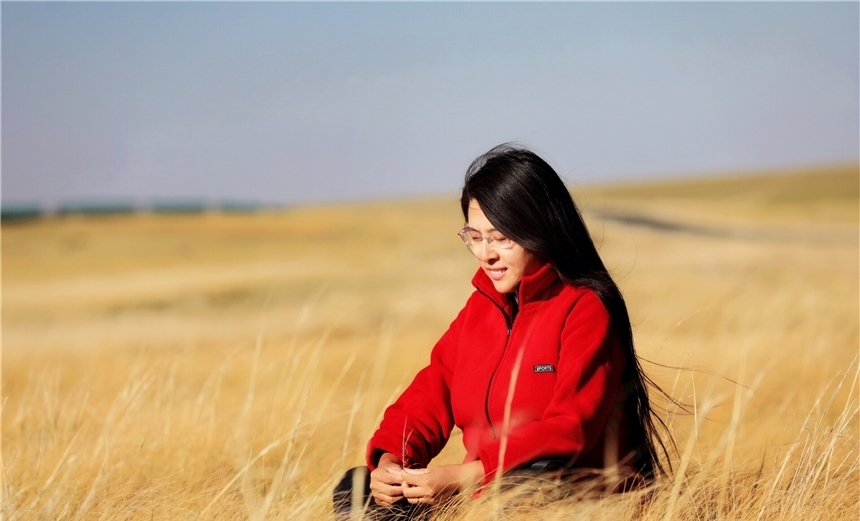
point(510, 325)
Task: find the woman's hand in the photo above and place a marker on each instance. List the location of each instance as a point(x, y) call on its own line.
point(432, 486)
point(385, 481)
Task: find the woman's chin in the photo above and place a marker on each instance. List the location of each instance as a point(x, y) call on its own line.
point(503, 286)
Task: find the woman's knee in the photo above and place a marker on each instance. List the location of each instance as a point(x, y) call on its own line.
point(353, 488)
point(356, 477)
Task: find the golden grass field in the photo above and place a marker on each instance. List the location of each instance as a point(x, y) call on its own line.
point(232, 366)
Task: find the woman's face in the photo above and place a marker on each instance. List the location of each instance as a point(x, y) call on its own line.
point(504, 267)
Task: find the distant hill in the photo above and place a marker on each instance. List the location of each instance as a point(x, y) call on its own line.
point(787, 185)
point(23, 212)
point(773, 186)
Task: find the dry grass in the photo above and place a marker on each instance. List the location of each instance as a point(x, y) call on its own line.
point(232, 366)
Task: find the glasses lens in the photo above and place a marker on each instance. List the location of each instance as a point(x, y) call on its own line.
point(500, 242)
point(469, 237)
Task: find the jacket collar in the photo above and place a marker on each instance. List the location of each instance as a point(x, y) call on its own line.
point(532, 288)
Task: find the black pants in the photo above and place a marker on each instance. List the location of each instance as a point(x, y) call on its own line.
point(354, 489)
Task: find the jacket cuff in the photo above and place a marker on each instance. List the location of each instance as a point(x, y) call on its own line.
point(490, 461)
point(377, 447)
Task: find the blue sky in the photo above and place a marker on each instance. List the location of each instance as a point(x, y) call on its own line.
point(308, 102)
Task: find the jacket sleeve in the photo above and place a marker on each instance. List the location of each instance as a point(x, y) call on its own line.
point(589, 369)
point(417, 425)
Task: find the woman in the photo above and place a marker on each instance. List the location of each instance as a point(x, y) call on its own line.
point(537, 369)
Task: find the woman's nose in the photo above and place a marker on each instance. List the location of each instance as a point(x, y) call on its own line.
point(485, 252)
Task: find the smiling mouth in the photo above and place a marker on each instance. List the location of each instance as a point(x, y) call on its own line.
point(496, 273)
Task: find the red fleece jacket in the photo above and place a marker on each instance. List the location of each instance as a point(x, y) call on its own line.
point(567, 397)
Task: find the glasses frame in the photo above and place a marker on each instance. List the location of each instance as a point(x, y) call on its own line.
point(470, 243)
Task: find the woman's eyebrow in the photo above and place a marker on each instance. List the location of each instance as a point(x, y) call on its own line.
point(491, 230)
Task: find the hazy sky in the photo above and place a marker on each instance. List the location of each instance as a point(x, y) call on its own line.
point(303, 102)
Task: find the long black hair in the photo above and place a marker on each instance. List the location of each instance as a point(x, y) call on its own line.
point(526, 200)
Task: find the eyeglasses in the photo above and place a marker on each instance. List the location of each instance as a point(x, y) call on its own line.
point(473, 239)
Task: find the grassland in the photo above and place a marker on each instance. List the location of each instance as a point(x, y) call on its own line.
point(231, 366)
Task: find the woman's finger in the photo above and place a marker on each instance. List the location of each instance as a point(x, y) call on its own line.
point(416, 494)
point(415, 477)
point(388, 490)
point(411, 490)
point(392, 491)
point(424, 500)
point(382, 499)
point(386, 475)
